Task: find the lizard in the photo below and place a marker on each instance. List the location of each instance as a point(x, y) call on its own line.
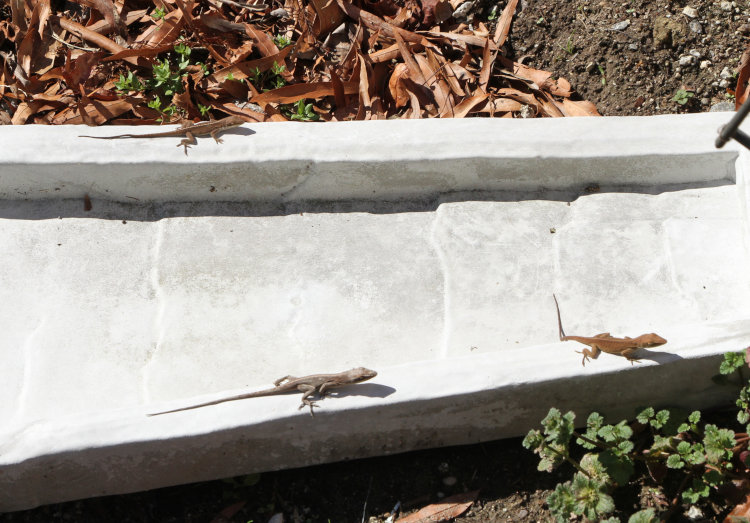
point(189, 131)
point(606, 343)
point(307, 385)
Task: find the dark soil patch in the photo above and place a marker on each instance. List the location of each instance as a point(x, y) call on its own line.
point(632, 57)
point(511, 490)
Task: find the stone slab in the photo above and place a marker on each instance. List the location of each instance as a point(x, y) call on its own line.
point(427, 250)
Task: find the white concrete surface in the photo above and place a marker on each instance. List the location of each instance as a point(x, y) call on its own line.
point(427, 250)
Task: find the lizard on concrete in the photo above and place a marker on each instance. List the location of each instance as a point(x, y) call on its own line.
point(606, 343)
point(189, 131)
point(307, 385)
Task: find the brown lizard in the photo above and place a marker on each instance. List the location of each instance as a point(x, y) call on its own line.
point(307, 385)
point(604, 342)
point(190, 130)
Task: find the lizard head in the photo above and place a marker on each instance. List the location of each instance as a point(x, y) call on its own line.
point(361, 374)
point(652, 340)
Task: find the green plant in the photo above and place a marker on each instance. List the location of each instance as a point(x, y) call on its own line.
point(158, 13)
point(281, 41)
point(492, 16)
point(131, 83)
point(682, 96)
point(300, 112)
point(269, 79)
point(661, 442)
point(601, 72)
point(569, 46)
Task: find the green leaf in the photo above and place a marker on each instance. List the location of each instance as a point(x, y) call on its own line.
point(561, 502)
point(533, 440)
point(732, 361)
point(619, 468)
point(592, 500)
point(682, 96)
point(644, 516)
point(674, 461)
point(660, 419)
point(695, 416)
point(645, 416)
point(718, 443)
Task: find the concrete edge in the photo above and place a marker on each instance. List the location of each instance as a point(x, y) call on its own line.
point(365, 160)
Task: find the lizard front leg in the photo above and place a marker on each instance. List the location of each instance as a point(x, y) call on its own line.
point(592, 353)
point(307, 391)
point(628, 353)
point(215, 135)
point(323, 391)
point(187, 141)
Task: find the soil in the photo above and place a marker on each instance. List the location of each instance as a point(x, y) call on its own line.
point(632, 57)
point(629, 58)
point(368, 490)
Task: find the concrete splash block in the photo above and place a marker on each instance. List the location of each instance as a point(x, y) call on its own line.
point(425, 250)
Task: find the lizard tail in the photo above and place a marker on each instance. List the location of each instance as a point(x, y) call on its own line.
point(559, 321)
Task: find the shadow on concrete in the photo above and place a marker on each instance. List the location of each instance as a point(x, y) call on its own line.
point(46, 209)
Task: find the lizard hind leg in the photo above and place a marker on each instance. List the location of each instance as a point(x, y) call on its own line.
point(588, 354)
point(187, 141)
point(307, 391)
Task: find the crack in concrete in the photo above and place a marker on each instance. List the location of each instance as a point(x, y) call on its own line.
point(158, 324)
point(23, 392)
point(444, 268)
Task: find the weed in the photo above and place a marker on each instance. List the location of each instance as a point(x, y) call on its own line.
point(601, 72)
point(682, 96)
point(131, 83)
point(661, 441)
point(281, 41)
point(300, 112)
point(158, 13)
point(569, 47)
point(269, 79)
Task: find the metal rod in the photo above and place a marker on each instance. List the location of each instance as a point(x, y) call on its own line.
point(731, 130)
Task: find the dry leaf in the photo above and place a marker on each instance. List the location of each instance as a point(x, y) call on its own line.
point(451, 507)
point(292, 93)
point(396, 87)
point(740, 513)
point(743, 87)
point(503, 24)
point(579, 108)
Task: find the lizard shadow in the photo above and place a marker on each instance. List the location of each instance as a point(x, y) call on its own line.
point(242, 131)
point(371, 390)
point(660, 357)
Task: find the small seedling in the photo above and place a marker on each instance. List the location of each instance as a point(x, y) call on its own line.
point(540, 20)
point(569, 46)
point(601, 72)
point(682, 96)
point(493, 14)
point(269, 79)
point(158, 13)
point(131, 83)
point(302, 112)
point(281, 41)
